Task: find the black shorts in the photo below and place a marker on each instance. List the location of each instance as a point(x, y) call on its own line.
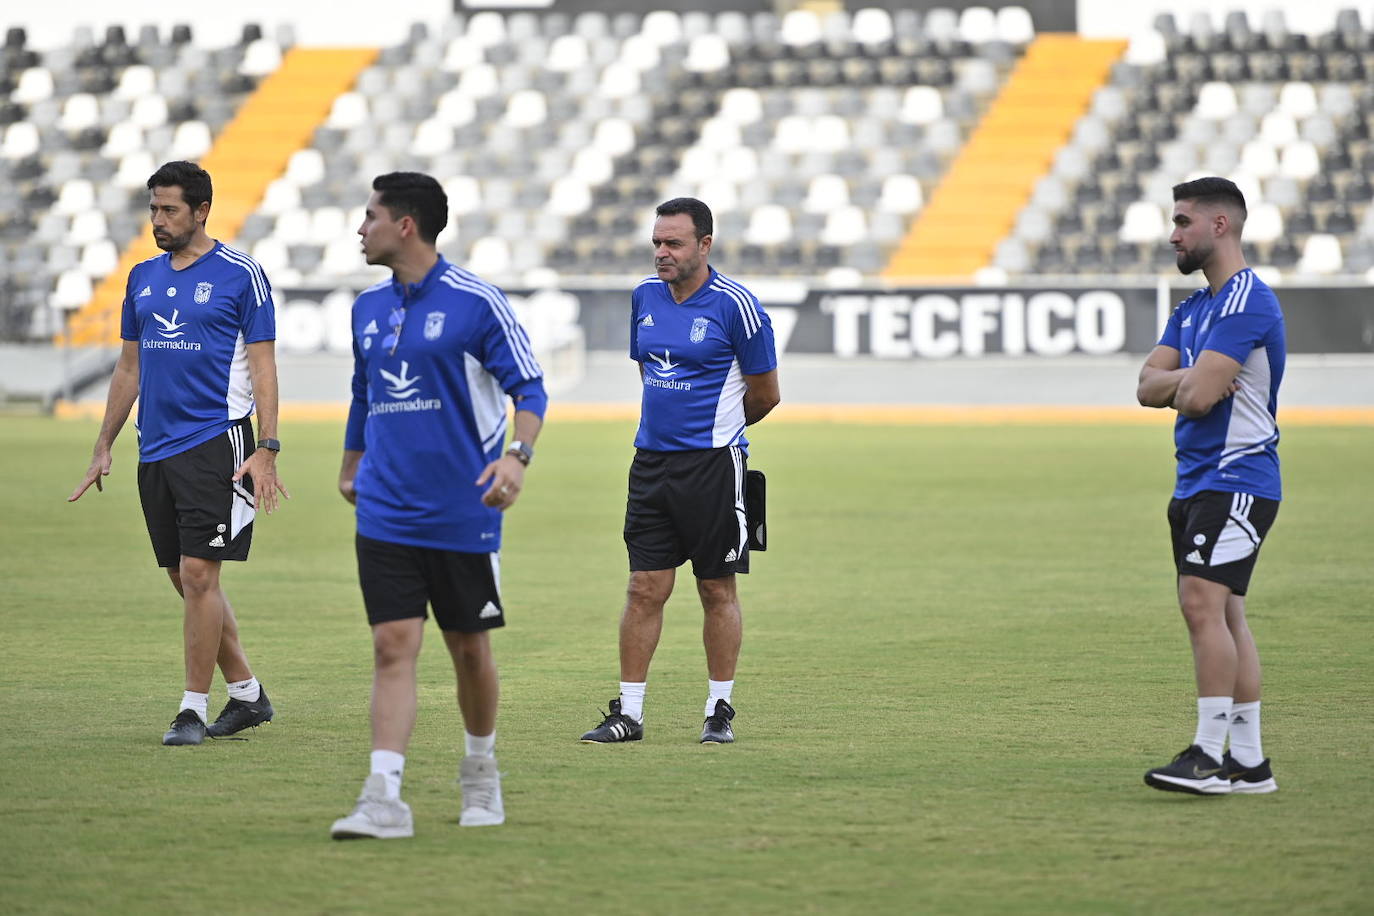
point(1217, 536)
point(688, 506)
point(191, 504)
point(399, 580)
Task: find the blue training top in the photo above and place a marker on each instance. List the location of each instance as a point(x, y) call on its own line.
point(1234, 448)
point(430, 416)
point(193, 326)
point(693, 357)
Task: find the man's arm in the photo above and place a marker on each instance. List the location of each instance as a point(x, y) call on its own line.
point(507, 473)
point(1211, 379)
point(761, 395)
point(123, 393)
point(1159, 378)
point(348, 475)
point(262, 464)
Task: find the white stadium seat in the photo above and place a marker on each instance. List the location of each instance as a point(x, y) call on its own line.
point(73, 290)
point(305, 167)
point(1299, 160)
point(900, 194)
point(871, 26)
point(87, 227)
point(1215, 101)
point(1143, 222)
point(707, 54)
point(1264, 223)
point(76, 196)
point(124, 138)
point(1014, 25)
point(191, 140)
point(135, 82)
point(348, 111)
point(35, 85)
point(149, 111)
point(99, 258)
point(844, 226)
point(769, 224)
point(1321, 254)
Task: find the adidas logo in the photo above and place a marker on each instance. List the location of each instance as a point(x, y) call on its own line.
point(147, 291)
point(619, 730)
point(1238, 720)
point(1221, 716)
point(731, 556)
point(371, 327)
point(218, 541)
point(648, 321)
point(491, 610)
point(1188, 322)
point(1195, 557)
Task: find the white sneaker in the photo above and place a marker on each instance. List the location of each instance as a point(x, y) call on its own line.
point(481, 785)
point(375, 815)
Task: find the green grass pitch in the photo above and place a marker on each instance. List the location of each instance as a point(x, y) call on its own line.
point(961, 653)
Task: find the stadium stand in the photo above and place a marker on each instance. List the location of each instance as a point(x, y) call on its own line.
point(814, 137)
point(83, 127)
point(1286, 116)
point(819, 139)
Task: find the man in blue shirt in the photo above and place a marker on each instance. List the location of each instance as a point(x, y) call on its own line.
point(1219, 364)
point(436, 352)
point(708, 368)
point(198, 353)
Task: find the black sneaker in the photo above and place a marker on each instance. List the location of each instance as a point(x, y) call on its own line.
point(187, 728)
point(238, 715)
point(1191, 771)
point(716, 729)
point(615, 727)
point(1255, 780)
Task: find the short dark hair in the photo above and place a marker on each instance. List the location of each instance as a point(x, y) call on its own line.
point(193, 180)
point(698, 211)
point(418, 196)
point(1211, 191)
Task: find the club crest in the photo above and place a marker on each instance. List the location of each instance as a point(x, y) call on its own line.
point(434, 325)
point(202, 295)
point(698, 330)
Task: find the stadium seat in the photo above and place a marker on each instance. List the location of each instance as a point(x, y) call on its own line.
point(844, 226)
point(73, 290)
point(1321, 254)
point(98, 258)
point(769, 224)
point(1143, 222)
point(1299, 160)
point(21, 141)
point(1015, 26)
point(1265, 222)
point(191, 140)
point(1216, 101)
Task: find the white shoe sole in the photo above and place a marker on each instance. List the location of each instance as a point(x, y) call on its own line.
point(481, 817)
point(348, 829)
point(1254, 788)
point(1212, 786)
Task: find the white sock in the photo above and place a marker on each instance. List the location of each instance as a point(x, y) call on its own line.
point(198, 702)
point(717, 690)
point(632, 699)
point(1213, 720)
point(245, 691)
point(479, 745)
point(1245, 734)
point(391, 765)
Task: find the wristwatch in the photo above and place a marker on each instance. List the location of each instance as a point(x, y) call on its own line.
point(272, 445)
point(522, 452)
